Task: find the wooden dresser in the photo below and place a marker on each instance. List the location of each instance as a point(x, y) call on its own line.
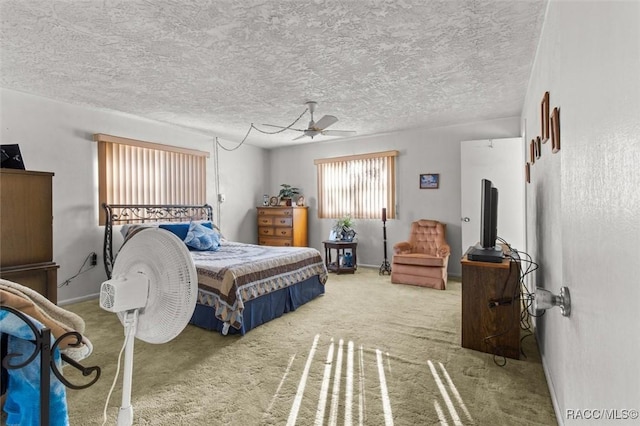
point(26, 236)
point(491, 307)
point(282, 226)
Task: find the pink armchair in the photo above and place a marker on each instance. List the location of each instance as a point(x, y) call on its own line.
point(424, 258)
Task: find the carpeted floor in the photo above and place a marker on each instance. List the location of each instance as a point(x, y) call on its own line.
point(367, 352)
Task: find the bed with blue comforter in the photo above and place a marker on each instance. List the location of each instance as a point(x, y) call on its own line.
point(240, 286)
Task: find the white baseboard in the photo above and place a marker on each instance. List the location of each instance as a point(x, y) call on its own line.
point(552, 392)
point(78, 299)
point(454, 275)
point(368, 266)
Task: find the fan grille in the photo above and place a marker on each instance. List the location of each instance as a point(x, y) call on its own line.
point(107, 296)
point(173, 282)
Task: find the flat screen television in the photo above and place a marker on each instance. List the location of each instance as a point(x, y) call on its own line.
point(10, 157)
point(487, 250)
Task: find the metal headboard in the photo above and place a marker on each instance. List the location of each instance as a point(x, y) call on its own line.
point(121, 214)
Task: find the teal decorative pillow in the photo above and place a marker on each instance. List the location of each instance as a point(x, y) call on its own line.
point(202, 238)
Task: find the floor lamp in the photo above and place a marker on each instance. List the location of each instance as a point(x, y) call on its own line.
point(385, 268)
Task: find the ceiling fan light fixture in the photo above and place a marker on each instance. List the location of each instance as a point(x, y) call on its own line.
point(311, 106)
point(319, 128)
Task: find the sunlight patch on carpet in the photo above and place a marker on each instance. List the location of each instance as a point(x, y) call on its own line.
point(333, 392)
point(447, 399)
point(456, 394)
point(284, 378)
point(386, 403)
point(293, 415)
point(332, 381)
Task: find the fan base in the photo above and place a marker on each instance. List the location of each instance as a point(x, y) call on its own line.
point(125, 416)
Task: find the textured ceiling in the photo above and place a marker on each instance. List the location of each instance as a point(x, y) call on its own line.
point(218, 66)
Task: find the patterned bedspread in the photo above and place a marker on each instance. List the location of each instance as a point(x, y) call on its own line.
point(240, 272)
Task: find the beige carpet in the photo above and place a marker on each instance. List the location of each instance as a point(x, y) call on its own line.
point(367, 352)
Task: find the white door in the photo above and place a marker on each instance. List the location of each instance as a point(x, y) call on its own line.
point(502, 162)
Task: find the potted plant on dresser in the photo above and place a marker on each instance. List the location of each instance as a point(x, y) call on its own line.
point(287, 192)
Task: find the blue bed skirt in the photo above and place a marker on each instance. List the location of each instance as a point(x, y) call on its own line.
point(264, 308)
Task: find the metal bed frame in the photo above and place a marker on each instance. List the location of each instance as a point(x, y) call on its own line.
point(121, 214)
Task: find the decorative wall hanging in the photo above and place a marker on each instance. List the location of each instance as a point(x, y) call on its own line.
point(538, 148)
point(544, 117)
point(527, 172)
point(555, 130)
point(429, 181)
point(532, 151)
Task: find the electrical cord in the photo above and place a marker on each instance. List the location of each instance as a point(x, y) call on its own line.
point(525, 299)
point(495, 304)
point(527, 302)
point(217, 171)
point(115, 378)
point(80, 271)
point(217, 145)
point(252, 127)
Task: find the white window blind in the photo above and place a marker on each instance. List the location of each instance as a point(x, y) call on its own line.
point(138, 172)
point(359, 185)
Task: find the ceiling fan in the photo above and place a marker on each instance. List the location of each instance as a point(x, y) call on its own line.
point(319, 128)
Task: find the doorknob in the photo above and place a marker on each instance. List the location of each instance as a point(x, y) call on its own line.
point(466, 219)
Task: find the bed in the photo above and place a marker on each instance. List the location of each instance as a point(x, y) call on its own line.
point(240, 286)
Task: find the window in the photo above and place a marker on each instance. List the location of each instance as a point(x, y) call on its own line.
point(137, 172)
point(359, 185)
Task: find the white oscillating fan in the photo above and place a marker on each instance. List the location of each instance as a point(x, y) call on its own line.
point(153, 290)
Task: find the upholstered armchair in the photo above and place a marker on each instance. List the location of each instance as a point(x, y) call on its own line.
point(424, 258)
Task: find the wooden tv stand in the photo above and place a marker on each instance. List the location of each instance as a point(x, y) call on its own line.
point(491, 307)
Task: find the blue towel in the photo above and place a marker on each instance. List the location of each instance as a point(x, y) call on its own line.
point(23, 395)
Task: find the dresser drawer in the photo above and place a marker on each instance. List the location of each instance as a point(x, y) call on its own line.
point(283, 221)
point(276, 232)
point(282, 232)
point(282, 212)
point(265, 220)
point(273, 211)
point(262, 231)
point(286, 242)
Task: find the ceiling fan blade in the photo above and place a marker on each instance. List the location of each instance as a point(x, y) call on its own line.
point(282, 127)
point(339, 132)
point(325, 122)
point(299, 137)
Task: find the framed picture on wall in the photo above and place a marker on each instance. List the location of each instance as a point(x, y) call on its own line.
point(544, 117)
point(555, 130)
point(429, 180)
point(532, 151)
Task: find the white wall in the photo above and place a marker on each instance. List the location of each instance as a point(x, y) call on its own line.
point(583, 203)
point(243, 175)
point(421, 151)
point(58, 137)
